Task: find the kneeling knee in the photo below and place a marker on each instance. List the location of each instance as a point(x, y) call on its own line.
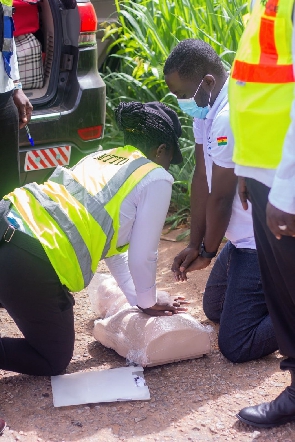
point(58, 363)
point(212, 313)
point(232, 352)
point(58, 367)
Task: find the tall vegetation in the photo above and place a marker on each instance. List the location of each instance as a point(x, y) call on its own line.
point(146, 33)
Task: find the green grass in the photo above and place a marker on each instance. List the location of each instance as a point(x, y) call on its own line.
point(147, 32)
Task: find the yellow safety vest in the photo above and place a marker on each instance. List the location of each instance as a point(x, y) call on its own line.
point(6, 43)
point(6, 2)
point(261, 87)
point(76, 214)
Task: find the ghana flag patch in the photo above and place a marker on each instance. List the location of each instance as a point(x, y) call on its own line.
point(222, 141)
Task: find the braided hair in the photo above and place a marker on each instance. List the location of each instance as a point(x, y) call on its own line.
point(146, 127)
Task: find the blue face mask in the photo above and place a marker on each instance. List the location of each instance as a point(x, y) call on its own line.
point(190, 107)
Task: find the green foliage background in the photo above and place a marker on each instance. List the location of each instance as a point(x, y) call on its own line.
point(143, 38)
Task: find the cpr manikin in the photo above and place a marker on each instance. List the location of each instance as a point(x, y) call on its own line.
point(140, 338)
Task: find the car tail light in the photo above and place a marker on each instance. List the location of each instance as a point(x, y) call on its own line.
point(88, 25)
point(90, 133)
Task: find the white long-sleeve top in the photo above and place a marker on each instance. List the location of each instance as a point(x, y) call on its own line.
point(142, 216)
point(280, 180)
point(6, 83)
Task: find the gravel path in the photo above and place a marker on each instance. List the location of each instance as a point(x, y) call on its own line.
point(190, 400)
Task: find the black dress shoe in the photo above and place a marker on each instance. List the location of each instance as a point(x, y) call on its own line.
point(2, 426)
point(271, 414)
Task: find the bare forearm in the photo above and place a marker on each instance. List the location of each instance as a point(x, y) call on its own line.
point(199, 197)
point(218, 213)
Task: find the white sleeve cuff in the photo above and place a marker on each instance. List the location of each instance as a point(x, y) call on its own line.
point(148, 298)
point(198, 130)
point(224, 164)
point(282, 194)
point(199, 140)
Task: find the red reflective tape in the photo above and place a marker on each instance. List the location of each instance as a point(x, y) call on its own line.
point(271, 8)
point(48, 158)
point(268, 50)
point(256, 73)
point(30, 160)
point(58, 160)
point(61, 151)
point(36, 153)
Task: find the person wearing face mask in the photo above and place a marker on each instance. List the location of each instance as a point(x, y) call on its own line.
point(233, 295)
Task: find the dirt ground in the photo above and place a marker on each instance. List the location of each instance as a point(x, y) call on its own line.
point(192, 400)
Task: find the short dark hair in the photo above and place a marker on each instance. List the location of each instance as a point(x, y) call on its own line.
point(193, 57)
point(148, 125)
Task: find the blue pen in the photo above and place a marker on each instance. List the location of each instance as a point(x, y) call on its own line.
point(29, 135)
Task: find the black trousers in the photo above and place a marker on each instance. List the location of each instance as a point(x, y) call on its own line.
point(9, 155)
point(41, 308)
point(277, 265)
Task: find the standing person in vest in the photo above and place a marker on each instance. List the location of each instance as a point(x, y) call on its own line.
point(263, 122)
point(55, 234)
point(233, 295)
point(15, 108)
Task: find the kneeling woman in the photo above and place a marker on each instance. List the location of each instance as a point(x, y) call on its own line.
point(55, 234)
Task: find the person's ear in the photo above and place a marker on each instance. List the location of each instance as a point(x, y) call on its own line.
point(209, 83)
point(160, 150)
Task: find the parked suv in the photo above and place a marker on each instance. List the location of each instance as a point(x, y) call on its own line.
point(69, 110)
point(106, 14)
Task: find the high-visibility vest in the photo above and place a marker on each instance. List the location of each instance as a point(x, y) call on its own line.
point(76, 214)
point(261, 87)
point(8, 28)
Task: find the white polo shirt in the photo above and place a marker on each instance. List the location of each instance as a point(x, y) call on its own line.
point(215, 134)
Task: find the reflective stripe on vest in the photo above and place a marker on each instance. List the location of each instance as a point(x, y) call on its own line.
point(8, 28)
point(75, 226)
point(95, 204)
point(261, 86)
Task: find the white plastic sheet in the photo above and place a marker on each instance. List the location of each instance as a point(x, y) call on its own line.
point(117, 384)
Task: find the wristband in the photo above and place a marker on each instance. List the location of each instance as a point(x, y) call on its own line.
point(18, 85)
point(205, 254)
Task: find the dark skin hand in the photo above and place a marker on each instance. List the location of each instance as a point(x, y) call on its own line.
point(24, 107)
point(243, 192)
point(199, 263)
point(166, 306)
point(274, 217)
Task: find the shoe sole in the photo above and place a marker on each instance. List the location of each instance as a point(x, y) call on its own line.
point(255, 424)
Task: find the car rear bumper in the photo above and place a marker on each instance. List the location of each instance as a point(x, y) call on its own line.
point(62, 125)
